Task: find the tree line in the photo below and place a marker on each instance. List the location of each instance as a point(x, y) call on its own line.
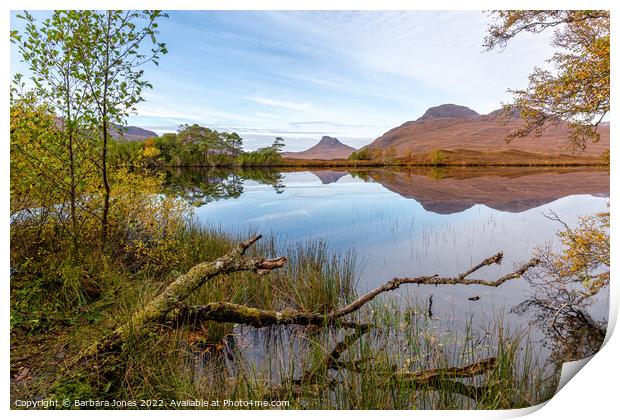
point(195, 145)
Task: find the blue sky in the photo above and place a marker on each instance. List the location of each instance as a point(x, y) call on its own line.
point(302, 75)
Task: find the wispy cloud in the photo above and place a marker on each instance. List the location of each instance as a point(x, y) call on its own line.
point(303, 74)
point(265, 114)
point(297, 106)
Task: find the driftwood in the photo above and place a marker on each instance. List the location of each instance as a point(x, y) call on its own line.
point(255, 317)
point(229, 312)
point(468, 371)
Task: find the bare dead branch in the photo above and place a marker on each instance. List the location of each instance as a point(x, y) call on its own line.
point(436, 280)
point(230, 312)
point(495, 259)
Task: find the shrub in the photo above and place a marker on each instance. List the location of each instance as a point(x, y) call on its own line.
point(437, 158)
point(362, 154)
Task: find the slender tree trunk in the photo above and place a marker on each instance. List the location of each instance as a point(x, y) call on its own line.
point(104, 151)
point(72, 185)
point(106, 184)
point(72, 196)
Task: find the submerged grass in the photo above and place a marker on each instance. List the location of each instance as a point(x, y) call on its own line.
point(248, 365)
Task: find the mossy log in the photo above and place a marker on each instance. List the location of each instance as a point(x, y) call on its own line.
point(240, 314)
point(158, 309)
point(255, 317)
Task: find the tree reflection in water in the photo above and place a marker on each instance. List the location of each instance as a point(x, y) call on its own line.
point(200, 186)
point(565, 285)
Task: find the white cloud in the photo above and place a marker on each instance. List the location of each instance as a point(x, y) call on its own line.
point(296, 106)
point(349, 75)
point(265, 114)
point(172, 112)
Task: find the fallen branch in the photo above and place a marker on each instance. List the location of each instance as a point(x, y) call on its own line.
point(468, 371)
point(436, 280)
point(168, 306)
point(439, 379)
point(183, 286)
point(255, 317)
point(315, 374)
point(240, 314)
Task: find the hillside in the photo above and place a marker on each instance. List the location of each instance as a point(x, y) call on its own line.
point(132, 133)
point(453, 127)
point(129, 132)
point(327, 148)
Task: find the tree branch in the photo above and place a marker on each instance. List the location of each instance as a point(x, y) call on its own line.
point(184, 285)
point(436, 280)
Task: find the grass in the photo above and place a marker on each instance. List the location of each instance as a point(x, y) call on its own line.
point(459, 157)
point(43, 320)
point(246, 364)
point(226, 362)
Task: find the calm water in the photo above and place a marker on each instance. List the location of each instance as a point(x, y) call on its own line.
point(408, 223)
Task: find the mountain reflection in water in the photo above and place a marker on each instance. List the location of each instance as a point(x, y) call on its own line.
point(418, 221)
point(507, 189)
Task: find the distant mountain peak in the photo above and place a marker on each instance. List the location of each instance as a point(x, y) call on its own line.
point(329, 141)
point(448, 111)
point(132, 133)
point(125, 132)
point(452, 127)
point(327, 148)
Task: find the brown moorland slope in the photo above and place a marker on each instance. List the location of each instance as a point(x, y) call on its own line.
point(327, 148)
point(453, 127)
point(124, 132)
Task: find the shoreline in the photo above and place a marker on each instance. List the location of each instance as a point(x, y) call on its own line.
point(434, 159)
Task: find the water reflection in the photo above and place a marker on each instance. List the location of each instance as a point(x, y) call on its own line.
point(200, 186)
point(414, 222)
point(565, 310)
point(448, 191)
point(328, 176)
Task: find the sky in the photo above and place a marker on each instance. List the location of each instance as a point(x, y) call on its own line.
point(305, 74)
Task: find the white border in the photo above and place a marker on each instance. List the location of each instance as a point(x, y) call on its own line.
point(592, 394)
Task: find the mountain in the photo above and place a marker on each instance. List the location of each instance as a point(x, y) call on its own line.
point(327, 148)
point(131, 133)
point(128, 132)
point(452, 127)
point(448, 111)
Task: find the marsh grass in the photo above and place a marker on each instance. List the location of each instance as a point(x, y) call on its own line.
point(246, 364)
point(223, 361)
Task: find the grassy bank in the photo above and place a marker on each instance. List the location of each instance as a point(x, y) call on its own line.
point(460, 157)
